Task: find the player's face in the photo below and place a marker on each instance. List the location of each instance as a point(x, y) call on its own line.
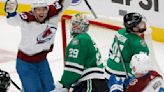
point(75, 26)
point(140, 28)
point(40, 13)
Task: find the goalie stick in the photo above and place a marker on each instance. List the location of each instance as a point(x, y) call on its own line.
point(90, 8)
point(121, 57)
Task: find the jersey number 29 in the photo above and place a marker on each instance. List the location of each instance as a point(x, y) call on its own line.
point(73, 53)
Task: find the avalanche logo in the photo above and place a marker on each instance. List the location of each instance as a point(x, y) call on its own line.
point(45, 36)
point(76, 2)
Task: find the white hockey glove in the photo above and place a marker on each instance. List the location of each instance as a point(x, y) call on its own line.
point(11, 7)
point(60, 88)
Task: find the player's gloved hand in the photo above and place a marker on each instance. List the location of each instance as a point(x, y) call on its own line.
point(127, 81)
point(60, 88)
point(114, 84)
point(11, 7)
point(161, 90)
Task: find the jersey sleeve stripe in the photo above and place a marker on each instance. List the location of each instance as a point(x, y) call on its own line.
point(118, 73)
point(74, 67)
point(73, 70)
point(74, 64)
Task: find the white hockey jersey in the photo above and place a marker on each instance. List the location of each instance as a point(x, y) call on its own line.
point(37, 37)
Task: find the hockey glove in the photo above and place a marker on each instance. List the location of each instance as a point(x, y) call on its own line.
point(161, 90)
point(114, 84)
point(11, 7)
point(127, 81)
point(60, 88)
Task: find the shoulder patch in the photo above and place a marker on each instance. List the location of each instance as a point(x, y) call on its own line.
point(27, 16)
point(75, 41)
point(143, 43)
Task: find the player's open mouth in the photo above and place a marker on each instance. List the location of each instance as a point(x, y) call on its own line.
point(41, 16)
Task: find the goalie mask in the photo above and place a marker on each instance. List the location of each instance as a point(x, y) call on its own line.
point(4, 80)
point(79, 24)
point(140, 63)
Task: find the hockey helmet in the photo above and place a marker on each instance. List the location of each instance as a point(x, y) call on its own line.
point(38, 3)
point(4, 80)
point(132, 20)
point(79, 24)
point(141, 63)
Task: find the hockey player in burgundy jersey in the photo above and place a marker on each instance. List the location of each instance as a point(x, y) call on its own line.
point(38, 28)
point(145, 79)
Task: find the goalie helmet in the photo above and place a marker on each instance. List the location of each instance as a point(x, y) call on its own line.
point(79, 24)
point(4, 80)
point(141, 63)
point(38, 3)
point(132, 20)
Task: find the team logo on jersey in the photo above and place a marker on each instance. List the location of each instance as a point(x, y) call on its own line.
point(47, 35)
point(143, 43)
point(75, 41)
point(133, 82)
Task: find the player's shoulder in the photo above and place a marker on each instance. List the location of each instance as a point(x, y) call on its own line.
point(126, 34)
point(136, 40)
point(154, 74)
point(27, 16)
point(83, 36)
point(80, 39)
point(123, 30)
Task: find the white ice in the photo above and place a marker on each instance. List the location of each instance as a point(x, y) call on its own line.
point(10, 37)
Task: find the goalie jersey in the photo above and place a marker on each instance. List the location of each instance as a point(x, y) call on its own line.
point(130, 44)
point(82, 61)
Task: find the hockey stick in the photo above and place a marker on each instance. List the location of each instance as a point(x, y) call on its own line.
point(121, 57)
point(90, 8)
point(15, 85)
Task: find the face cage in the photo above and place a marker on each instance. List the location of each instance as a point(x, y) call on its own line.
point(80, 27)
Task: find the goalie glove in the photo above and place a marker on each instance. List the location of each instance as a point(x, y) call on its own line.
point(60, 88)
point(11, 7)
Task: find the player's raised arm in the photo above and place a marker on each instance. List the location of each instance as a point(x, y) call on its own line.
point(11, 12)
